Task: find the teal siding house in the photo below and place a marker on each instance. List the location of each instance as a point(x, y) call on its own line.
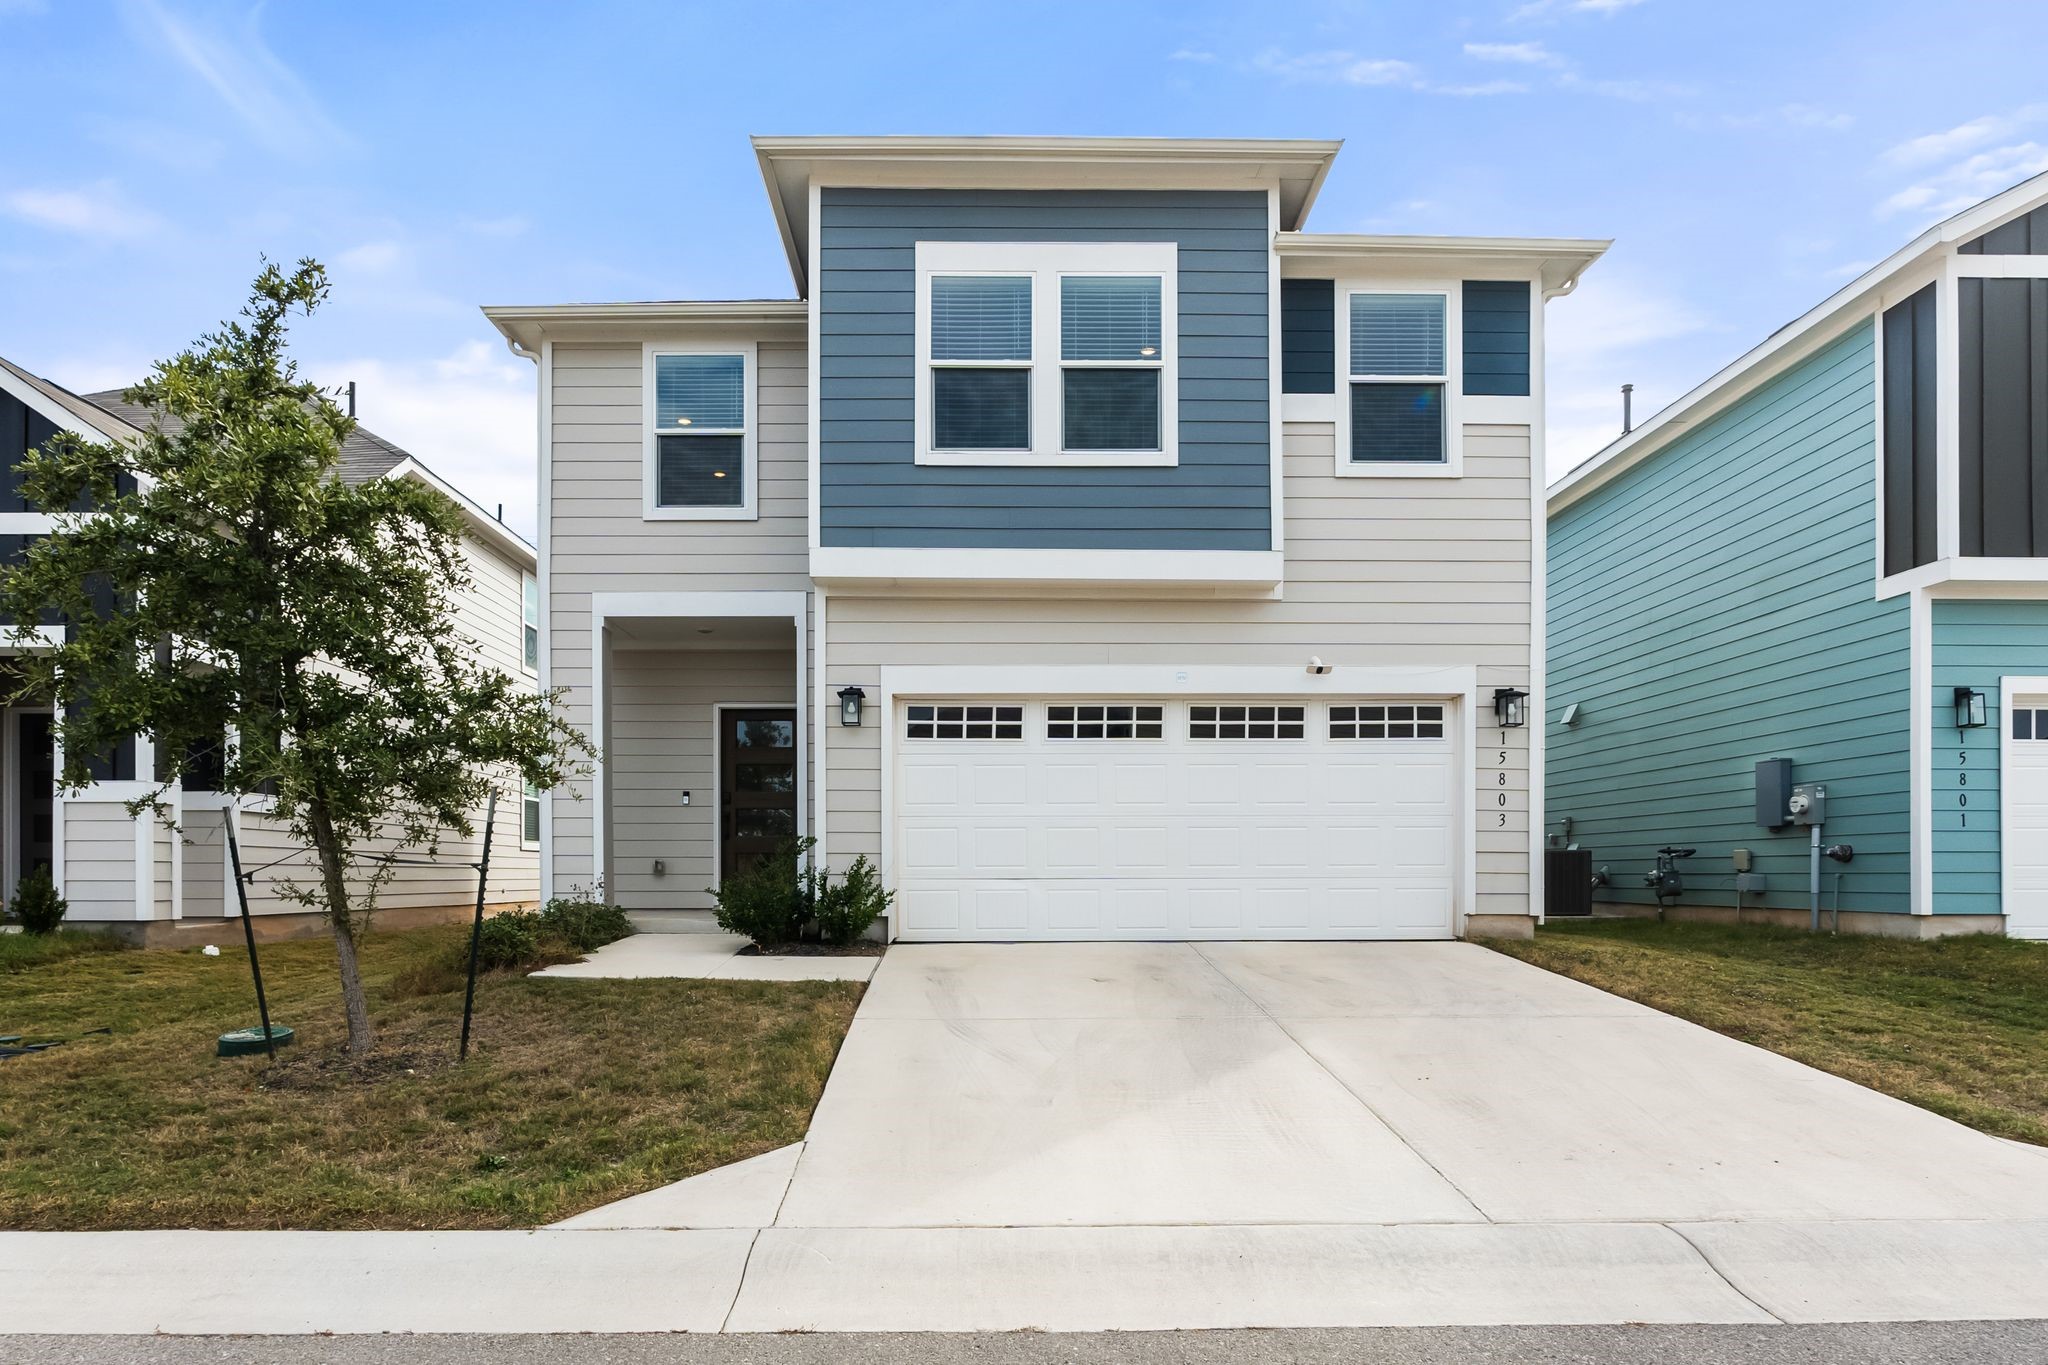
point(1833, 554)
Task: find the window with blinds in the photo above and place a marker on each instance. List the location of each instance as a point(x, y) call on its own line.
point(700, 431)
point(1111, 357)
point(981, 362)
point(1399, 373)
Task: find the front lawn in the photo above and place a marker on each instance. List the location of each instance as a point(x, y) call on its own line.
point(1957, 1025)
point(576, 1092)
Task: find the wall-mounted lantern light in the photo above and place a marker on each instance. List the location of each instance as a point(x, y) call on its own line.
point(1969, 708)
point(850, 699)
point(1510, 707)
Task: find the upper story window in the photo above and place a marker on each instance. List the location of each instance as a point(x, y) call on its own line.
point(700, 448)
point(529, 631)
point(1046, 353)
point(1400, 351)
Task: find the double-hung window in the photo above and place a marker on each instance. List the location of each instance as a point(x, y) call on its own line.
point(699, 418)
point(1400, 350)
point(1046, 353)
point(529, 816)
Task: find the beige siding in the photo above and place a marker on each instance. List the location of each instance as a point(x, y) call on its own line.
point(662, 745)
point(99, 861)
point(601, 543)
point(205, 873)
point(1380, 573)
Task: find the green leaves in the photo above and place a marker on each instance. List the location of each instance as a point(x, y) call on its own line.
point(227, 583)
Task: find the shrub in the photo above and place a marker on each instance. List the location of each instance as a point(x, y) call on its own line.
point(584, 925)
point(845, 910)
point(36, 902)
point(769, 901)
point(507, 941)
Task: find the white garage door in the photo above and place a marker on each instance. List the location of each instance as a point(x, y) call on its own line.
point(2025, 836)
point(1071, 818)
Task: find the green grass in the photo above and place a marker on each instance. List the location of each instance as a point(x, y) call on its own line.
point(576, 1092)
point(19, 952)
point(1956, 1025)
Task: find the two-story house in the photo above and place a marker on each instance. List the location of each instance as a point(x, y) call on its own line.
point(170, 882)
point(1833, 552)
point(1087, 545)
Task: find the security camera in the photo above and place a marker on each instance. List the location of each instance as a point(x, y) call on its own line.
point(1317, 667)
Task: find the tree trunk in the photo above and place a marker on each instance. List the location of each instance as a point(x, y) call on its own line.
point(334, 879)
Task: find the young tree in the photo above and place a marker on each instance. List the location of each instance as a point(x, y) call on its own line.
point(227, 582)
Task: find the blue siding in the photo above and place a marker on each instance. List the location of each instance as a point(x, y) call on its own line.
point(1713, 607)
point(872, 491)
point(1497, 337)
point(1975, 645)
point(1308, 336)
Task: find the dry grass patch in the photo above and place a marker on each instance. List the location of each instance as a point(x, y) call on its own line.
point(1957, 1025)
point(576, 1092)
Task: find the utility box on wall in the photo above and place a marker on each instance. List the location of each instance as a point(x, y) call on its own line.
point(1774, 793)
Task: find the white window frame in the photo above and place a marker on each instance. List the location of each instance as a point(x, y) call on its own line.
point(750, 463)
point(1453, 379)
point(1045, 264)
point(529, 796)
point(529, 619)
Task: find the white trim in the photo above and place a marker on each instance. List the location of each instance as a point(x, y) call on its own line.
point(545, 449)
point(822, 718)
point(843, 565)
point(1878, 541)
point(65, 420)
point(1452, 466)
point(526, 846)
point(650, 439)
point(2009, 687)
point(812, 420)
point(1046, 264)
point(1920, 681)
point(526, 577)
point(1999, 267)
point(1276, 407)
point(1539, 605)
point(1556, 262)
point(1308, 407)
point(1097, 681)
point(605, 606)
point(487, 527)
point(1948, 449)
point(1970, 575)
point(27, 523)
point(32, 640)
point(718, 710)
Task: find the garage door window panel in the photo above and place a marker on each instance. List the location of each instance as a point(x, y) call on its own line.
point(945, 720)
point(1392, 720)
point(1249, 720)
point(1105, 720)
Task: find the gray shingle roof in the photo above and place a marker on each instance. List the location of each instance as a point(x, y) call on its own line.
point(364, 455)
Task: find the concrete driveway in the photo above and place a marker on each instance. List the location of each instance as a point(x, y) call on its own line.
point(1132, 1137)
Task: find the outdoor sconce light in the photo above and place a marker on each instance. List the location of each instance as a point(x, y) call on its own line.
point(1509, 707)
point(850, 699)
point(1969, 709)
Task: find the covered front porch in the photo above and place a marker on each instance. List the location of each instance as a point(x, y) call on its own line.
point(704, 760)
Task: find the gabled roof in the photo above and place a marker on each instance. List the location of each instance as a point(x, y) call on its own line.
point(788, 164)
point(108, 416)
point(1791, 343)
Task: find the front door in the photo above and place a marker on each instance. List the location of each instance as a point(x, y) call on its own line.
point(756, 785)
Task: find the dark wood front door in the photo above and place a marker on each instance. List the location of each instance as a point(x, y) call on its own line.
point(756, 784)
point(35, 834)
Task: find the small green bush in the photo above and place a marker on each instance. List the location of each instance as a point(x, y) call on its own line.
point(770, 901)
point(36, 902)
point(845, 910)
point(508, 941)
point(584, 925)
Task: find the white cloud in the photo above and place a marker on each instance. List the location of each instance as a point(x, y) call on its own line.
point(1963, 183)
point(1783, 116)
point(1964, 137)
point(371, 258)
point(1481, 88)
point(1612, 330)
point(10, 8)
point(255, 84)
point(1189, 54)
point(1634, 89)
point(468, 416)
point(1552, 9)
point(98, 210)
point(1336, 67)
point(1528, 54)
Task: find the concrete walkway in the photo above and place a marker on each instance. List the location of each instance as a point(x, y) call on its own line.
point(697, 956)
point(1138, 1137)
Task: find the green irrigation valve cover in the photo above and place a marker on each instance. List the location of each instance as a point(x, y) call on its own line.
point(246, 1042)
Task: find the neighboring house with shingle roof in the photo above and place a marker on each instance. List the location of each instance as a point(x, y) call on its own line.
point(147, 880)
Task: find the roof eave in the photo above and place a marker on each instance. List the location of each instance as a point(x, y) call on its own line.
point(1559, 261)
point(526, 326)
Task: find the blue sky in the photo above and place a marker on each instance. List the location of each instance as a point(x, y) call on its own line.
point(1748, 158)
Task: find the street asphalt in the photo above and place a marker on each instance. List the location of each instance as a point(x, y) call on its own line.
point(1916, 1343)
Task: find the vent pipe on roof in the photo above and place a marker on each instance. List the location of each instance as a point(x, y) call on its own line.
point(501, 511)
point(351, 398)
point(1628, 403)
